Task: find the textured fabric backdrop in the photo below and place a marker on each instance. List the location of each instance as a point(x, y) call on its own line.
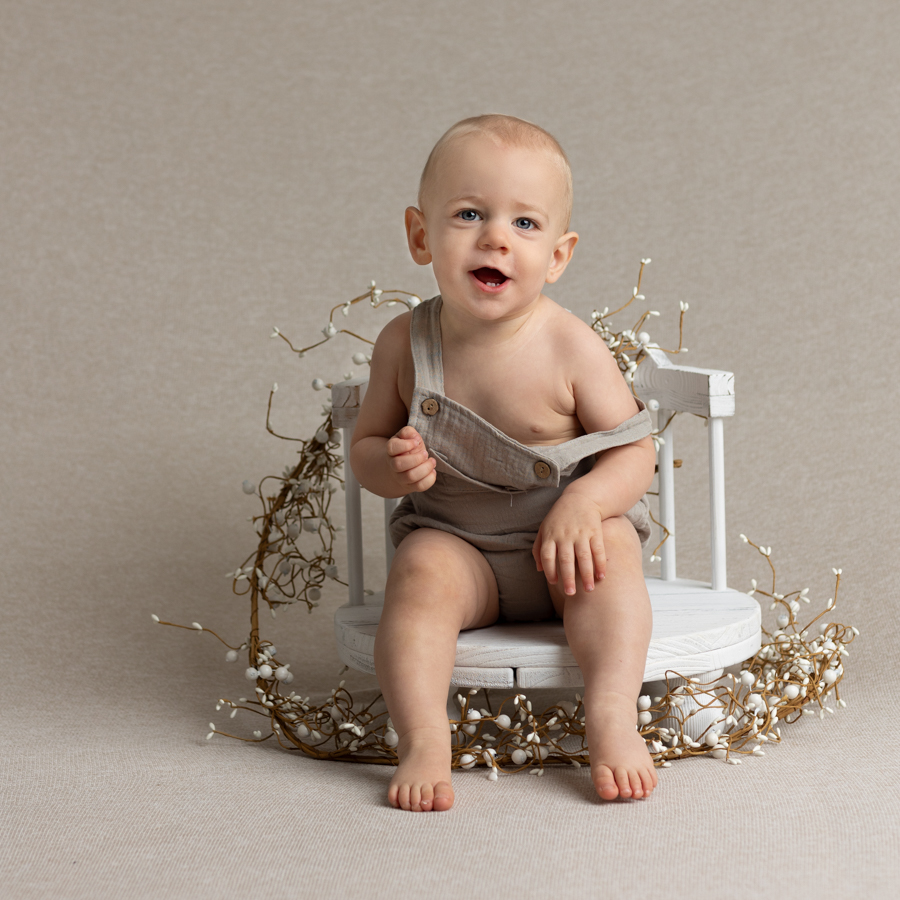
point(179, 177)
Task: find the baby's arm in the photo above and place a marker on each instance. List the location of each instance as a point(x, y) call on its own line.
point(389, 457)
point(570, 538)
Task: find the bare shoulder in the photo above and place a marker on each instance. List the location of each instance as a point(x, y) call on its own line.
point(579, 349)
point(393, 339)
point(603, 399)
point(568, 328)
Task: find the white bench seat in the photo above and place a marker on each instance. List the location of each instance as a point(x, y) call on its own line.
point(695, 630)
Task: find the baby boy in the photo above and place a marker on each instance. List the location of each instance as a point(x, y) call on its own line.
point(521, 454)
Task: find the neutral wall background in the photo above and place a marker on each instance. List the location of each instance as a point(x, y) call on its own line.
point(177, 178)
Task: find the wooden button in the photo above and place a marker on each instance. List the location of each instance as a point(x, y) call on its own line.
point(541, 469)
point(430, 406)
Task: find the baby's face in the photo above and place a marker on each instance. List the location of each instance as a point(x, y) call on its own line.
point(492, 226)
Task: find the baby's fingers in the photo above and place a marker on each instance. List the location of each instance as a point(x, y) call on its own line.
point(546, 560)
point(563, 562)
point(416, 469)
point(422, 477)
point(566, 560)
point(405, 462)
point(598, 552)
point(586, 565)
point(404, 441)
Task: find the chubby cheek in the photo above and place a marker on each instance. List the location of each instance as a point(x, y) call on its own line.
point(449, 262)
point(443, 270)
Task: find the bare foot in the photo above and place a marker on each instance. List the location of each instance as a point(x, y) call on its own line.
point(621, 765)
point(422, 780)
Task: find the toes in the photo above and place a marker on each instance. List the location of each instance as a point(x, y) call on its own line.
point(637, 788)
point(443, 796)
point(623, 782)
point(606, 783)
point(421, 797)
point(648, 779)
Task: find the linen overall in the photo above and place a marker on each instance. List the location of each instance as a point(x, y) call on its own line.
point(491, 490)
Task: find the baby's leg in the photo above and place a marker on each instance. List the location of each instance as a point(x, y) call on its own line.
point(608, 630)
point(438, 585)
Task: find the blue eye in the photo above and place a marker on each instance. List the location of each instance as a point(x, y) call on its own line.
point(468, 215)
point(525, 224)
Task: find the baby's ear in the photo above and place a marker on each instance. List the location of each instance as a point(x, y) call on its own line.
point(562, 253)
point(416, 236)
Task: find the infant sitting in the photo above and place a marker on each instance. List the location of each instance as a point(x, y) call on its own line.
point(521, 454)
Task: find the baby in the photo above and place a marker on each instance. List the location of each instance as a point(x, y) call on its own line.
point(521, 454)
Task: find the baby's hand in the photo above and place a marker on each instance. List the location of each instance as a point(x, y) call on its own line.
point(571, 536)
point(409, 460)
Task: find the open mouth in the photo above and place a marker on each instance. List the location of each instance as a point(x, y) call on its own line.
point(489, 277)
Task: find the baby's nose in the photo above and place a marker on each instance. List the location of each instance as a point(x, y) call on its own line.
point(494, 235)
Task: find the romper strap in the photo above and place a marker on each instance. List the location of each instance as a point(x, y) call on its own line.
point(567, 454)
point(425, 341)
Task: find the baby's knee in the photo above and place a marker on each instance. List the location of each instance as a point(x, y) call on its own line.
point(422, 555)
point(438, 562)
point(442, 575)
point(619, 536)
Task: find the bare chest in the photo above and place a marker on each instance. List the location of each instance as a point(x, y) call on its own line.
point(528, 398)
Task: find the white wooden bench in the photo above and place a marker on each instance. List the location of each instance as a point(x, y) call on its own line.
point(698, 628)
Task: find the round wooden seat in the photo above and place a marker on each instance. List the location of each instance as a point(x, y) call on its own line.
point(695, 630)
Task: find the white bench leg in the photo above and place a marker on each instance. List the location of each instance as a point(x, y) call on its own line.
point(666, 483)
point(698, 711)
point(353, 501)
point(717, 501)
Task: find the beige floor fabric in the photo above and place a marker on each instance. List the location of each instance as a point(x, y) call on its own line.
point(178, 177)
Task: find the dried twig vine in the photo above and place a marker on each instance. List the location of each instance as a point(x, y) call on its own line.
point(794, 673)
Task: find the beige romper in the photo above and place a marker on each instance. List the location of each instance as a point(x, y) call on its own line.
point(491, 490)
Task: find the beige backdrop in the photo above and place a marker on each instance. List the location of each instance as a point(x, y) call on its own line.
point(179, 177)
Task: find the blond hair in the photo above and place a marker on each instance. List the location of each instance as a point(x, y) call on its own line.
point(507, 130)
